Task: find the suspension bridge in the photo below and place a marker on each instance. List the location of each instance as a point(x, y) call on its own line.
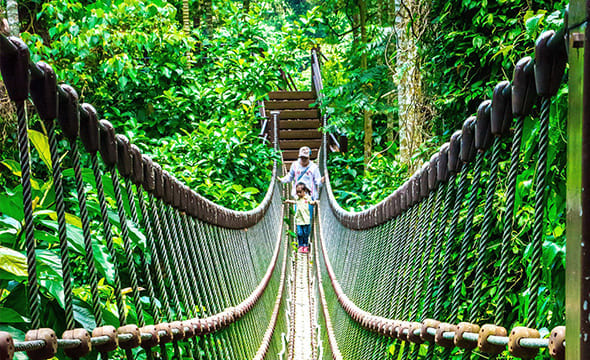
point(392, 282)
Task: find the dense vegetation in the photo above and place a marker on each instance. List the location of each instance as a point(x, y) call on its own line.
point(190, 100)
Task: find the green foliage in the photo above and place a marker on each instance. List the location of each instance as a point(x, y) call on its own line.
point(167, 91)
point(461, 61)
point(465, 59)
point(13, 265)
point(189, 101)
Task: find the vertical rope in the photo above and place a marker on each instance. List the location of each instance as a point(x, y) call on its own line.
point(421, 237)
point(486, 228)
point(108, 236)
point(127, 245)
point(173, 248)
point(508, 221)
point(537, 241)
point(437, 248)
point(445, 257)
point(156, 265)
point(409, 258)
point(417, 250)
point(183, 257)
point(61, 225)
point(164, 255)
point(25, 165)
point(149, 284)
point(400, 259)
point(202, 278)
point(89, 256)
point(467, 235)
point(425, 235)
point(435, 258)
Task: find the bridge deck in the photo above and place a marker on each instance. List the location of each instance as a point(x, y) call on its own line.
point(301, 344)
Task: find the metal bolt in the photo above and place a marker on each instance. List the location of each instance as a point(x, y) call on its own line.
point(577, 40)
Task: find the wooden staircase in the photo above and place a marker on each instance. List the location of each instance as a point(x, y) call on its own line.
point(298, 122)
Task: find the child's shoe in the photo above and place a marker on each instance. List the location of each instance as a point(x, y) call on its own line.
point(301, 249)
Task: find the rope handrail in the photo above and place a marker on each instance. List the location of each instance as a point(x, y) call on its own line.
point(391, 267)
point(200, 269)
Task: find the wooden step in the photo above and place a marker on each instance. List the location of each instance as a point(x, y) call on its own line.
point(288, 104)
point(297, 114)
point(299, 124)
point(300, 134)
point(291, 155)
point(296, 144)
point(283, 95)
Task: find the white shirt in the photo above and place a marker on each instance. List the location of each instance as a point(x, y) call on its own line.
point(311, 178)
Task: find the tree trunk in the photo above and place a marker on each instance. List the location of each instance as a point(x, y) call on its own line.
point(12, 16)
point(197, 14)
point(410, 24)
point(367, 121)
point(186, 27)
point(208, 13)
point(390, 130)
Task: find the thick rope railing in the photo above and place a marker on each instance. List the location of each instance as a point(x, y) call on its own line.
point(209, 275)
point(400, 270)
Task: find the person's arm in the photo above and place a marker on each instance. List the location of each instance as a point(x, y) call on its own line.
point(289, 201)
point(290, 176)
point(317, 178)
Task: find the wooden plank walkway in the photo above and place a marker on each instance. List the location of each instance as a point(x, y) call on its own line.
point(302, 347)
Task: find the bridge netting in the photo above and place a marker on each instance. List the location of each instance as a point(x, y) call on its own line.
point(205, 282)
point(426, 273)
point(208, 283)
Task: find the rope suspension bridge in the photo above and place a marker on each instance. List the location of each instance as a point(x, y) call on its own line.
point(213, 283)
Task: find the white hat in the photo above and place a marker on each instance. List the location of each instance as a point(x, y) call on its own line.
point(304, 152)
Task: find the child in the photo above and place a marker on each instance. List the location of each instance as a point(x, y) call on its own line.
point(302, 215)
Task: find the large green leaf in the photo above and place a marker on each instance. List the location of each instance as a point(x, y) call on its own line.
point(70, 218)
point(10, 316)
point(13, 166)
point(13, 262)
point(11, 203)
point(104, 263)
point(41, 143)
point(50, 275)
point(83, 314)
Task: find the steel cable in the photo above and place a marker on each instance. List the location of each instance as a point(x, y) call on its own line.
point(89, 252)
point(108, 236)
point(127, 245)
point(436, 255)
point(448, 244)
point(25, 165)
point(508, 221)
point(482, 253)
point(142, 259)
point(540, 199)
point(61, 225)
point(467, 237)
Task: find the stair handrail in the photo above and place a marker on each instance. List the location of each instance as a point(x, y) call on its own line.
point(337, 141)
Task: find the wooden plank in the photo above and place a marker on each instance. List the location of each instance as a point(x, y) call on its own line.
point(300, 134)
point(289, 104)
point(297, 114)
point(296, 144)
point(299, 124)
point(291, 155)
point(290, 95)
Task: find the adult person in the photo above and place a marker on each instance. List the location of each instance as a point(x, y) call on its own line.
point(304, 171)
